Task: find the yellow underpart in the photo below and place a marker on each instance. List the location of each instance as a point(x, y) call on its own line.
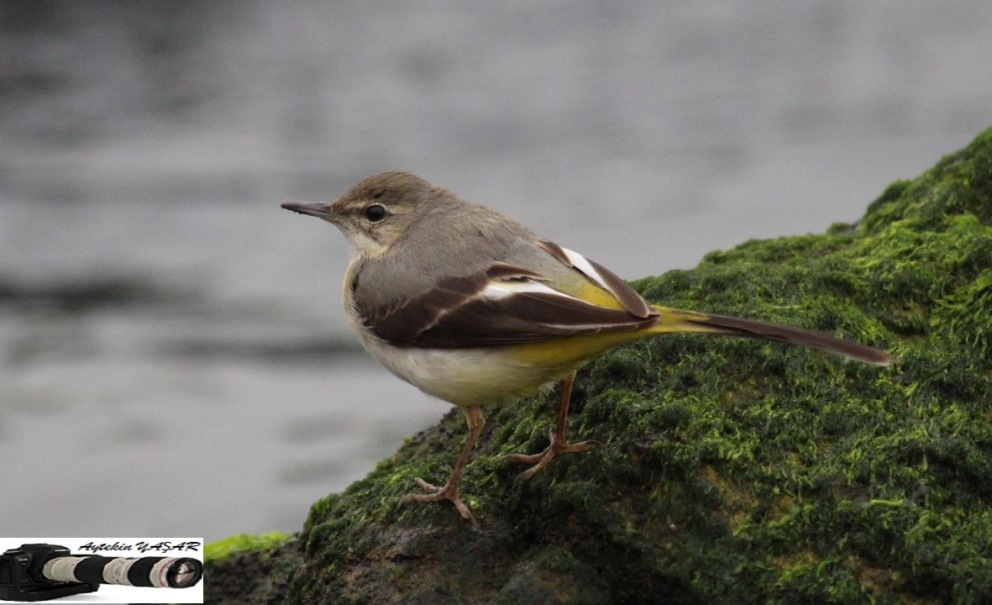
point(573, 351)
point(570, 351)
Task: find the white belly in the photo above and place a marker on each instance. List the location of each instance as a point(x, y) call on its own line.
point(464, 377)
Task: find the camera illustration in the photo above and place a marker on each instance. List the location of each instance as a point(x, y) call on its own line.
point(39, 572)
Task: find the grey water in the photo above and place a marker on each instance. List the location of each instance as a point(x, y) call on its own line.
point(174, 359)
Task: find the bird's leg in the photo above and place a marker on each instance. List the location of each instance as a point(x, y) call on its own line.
point(476, 421)
point(558, 444)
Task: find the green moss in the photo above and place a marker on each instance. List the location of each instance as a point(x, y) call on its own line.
point(730, 470)
point(241, 543)
point(245, 569)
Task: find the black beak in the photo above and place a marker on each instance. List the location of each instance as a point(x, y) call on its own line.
point(319, 210)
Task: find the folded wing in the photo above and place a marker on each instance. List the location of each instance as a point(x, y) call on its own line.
point(504, 305)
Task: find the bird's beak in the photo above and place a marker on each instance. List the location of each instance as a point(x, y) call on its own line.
point(319, 210)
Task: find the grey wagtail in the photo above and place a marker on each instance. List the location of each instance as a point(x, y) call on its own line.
point(473, 308)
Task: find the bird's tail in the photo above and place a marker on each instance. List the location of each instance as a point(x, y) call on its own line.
point(676, 320)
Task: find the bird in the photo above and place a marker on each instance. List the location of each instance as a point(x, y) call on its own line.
point(473, 308)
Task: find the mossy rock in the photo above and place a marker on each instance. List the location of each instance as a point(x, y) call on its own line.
point(730, 471)
point(243, 567)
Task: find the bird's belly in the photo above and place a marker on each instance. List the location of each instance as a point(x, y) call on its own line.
point(467, 377)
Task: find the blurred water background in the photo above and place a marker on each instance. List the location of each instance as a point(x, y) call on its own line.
point(173, 355)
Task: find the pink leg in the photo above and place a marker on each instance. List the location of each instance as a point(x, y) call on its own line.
point(476, 422)
point(558, 443)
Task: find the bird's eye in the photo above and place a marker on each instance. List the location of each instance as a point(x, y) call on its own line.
point(375, 213)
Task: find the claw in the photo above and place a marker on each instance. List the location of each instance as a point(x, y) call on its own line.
point(448, 492)
point(540, 461)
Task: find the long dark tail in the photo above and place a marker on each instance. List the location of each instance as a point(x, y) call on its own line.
point(677, 320)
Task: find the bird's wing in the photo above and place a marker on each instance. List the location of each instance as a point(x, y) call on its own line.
point(600, 286)
point(508, 305)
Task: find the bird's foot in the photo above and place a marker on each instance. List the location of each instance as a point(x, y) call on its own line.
point(557, 446)
point(448, 492)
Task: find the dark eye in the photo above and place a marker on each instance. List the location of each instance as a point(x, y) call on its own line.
point(375, 213)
